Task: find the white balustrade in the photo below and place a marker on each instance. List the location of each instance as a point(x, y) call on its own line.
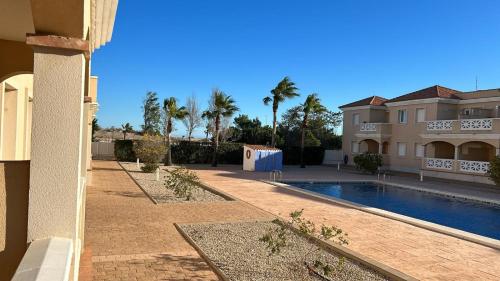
point(440, 125)
point(368, 127)
point(478, 167)
point(437, 163)
point(476, 124)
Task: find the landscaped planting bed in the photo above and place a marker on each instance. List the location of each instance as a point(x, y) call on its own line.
point(236, 250)
point(159, 192)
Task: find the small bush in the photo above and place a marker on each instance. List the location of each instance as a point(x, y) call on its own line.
point(182, 181)
point(150, 151)
point(124, 150)
point(494, 170)
point(368, 162)
point(186, 152)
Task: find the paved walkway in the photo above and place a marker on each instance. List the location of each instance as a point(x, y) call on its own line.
point(130, 238)
point(418, 252)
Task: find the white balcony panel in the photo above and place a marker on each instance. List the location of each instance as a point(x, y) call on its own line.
point(478, 167)
point(440, 125)
point(437, 163)
point(476, 124)
point(368, 127)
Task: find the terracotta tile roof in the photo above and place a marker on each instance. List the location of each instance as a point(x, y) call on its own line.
point(261, 147)
point(373, 100)
point(428, 93)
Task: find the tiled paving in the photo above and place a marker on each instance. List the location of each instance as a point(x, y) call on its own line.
point(130, 238)
point(421, 253)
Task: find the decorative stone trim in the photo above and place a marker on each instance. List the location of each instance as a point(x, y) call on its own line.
point(476, 124)
point(478, 167)
point(440, 125)
point(368, 127)
point(437, 163)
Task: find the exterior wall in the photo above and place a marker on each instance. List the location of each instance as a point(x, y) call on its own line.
point(248, 163)
point(14, 193)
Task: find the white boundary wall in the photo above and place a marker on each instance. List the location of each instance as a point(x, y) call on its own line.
point(332, 157)
point(103, 150)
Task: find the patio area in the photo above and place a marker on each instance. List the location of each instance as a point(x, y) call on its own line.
point(131, 238)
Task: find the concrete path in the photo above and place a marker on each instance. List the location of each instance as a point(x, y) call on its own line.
point(130, 238)
point(421, 253)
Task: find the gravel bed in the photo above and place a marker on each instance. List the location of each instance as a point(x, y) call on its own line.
point(158, 191)
point(235, 248)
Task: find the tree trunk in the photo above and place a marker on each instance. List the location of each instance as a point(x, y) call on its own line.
point(168, 160)
point(216, 141)
point(124, 135)
point(273, 140)
point(189, 135)
point(302, 164)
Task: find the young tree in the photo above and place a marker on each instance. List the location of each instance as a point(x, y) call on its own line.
point(221, 105)
point(193, 119)
point(284, 90)
point(171, 112)
point(95, 127)
point(151, 113)
point(126, 128)
point(312, 105)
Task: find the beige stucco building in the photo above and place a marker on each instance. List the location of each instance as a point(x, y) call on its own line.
point(438, 131)
point(47, 102)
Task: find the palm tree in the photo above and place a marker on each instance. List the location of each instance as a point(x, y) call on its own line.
point(312, 105)
point(284, 90)
point(126, 128)
point(171, 112)
point(221, 105)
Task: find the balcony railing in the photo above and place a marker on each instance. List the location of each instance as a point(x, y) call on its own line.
point(375, 128)
point(459, 126)
point(463, 166)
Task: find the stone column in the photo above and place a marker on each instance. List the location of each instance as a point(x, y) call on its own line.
point(497, 152)
point(456, 164)
point(55, 196)
point(380, 147)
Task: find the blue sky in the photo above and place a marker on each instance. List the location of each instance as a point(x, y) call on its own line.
point(343, 50)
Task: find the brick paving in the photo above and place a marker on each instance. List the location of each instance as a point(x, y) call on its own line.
point(130, 238)
point(418, 252)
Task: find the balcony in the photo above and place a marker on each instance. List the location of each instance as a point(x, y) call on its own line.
point(375, 128)
point(462, 166)
point(485, 125)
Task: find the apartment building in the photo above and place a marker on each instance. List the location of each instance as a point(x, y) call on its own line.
point(438, 131)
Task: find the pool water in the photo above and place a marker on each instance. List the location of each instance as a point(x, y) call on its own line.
point(482, 219)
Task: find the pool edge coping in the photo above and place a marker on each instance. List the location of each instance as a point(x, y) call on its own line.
point(456, 233)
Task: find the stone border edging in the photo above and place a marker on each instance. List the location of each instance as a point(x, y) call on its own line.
point(370, 263)
point(193, 244)
point(137, 183)
point(467, 236)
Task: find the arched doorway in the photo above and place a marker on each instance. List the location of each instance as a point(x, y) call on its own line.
point(369, 146)
point(440, 149)
point(16, 94)
point(476, 151)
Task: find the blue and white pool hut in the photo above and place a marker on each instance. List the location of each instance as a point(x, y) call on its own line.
point(262, 158)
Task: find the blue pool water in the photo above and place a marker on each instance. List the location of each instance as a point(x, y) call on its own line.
point(482, 219)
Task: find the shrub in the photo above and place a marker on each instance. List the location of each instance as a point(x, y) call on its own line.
point(124, 150)
point(182, 181)
point(150, 151)
point(494, 170)
point(277, 238)
point(368, 162)
point(186, 152)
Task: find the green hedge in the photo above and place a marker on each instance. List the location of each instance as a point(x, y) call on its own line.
point(185, 152)
point(313, 155)
point(124, 150)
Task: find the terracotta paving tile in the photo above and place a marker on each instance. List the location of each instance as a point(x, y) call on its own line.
point(421, 253)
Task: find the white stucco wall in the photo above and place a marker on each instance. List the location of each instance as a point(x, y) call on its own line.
point(248, 164)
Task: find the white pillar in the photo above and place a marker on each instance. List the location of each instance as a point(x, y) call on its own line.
point(55, 194)
point(498, 151)
point(380, 147)
point(456, 153)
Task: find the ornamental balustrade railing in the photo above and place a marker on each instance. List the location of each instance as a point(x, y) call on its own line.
point(476, 124)
point(440, 125)
point(438, 163)
point(368, 127)
point(478, 167)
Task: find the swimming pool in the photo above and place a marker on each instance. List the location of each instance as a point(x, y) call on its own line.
point(482, 219)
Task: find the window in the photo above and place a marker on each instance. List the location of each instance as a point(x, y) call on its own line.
point(419, 150)
point(355, 119)
point(401, 149)
point(420, 115)
point(402, 116)
point(355, 147)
